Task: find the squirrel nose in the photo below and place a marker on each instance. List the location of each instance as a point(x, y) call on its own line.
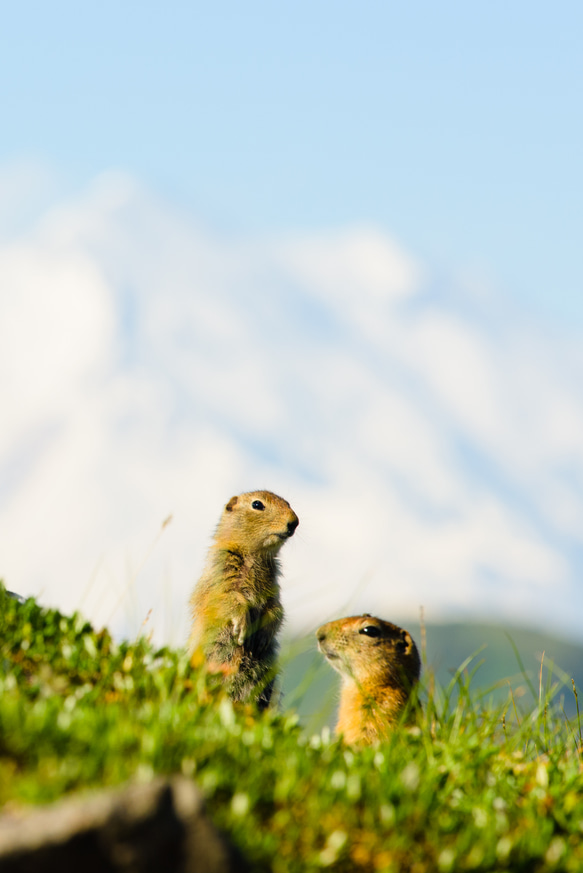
point(291, 526)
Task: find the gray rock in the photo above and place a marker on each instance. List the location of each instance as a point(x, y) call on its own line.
point(159, 827)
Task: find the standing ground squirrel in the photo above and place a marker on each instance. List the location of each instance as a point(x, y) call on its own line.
point(379, 664)
point(235, 605)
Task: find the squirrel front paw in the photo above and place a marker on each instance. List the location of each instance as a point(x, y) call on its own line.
point(240, 626)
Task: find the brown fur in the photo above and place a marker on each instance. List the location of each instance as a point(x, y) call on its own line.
point(378, 673)
point(236, 605)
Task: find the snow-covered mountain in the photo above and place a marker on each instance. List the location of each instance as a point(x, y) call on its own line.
point(429, 437)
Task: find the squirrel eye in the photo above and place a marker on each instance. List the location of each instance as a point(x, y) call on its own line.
point(257, 504)
point(370, 630)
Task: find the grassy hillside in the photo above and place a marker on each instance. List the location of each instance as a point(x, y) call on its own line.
point(473, 787)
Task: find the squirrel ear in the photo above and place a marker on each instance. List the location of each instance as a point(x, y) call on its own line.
point(231, 504)
point(407, 640)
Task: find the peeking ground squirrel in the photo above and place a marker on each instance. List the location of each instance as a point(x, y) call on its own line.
point(235, 604)
point(379, 664)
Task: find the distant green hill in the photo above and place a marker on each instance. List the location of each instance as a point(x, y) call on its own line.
point(312, 687)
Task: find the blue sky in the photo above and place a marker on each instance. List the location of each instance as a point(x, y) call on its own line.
point(454, 126)
point(330, 249)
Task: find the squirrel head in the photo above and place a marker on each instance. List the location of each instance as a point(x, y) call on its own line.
point(257, 521)
point(370, 651)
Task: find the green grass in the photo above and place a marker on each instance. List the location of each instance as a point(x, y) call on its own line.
point(478, 785)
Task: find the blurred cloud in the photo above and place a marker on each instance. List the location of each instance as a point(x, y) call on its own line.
point(432, 449)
